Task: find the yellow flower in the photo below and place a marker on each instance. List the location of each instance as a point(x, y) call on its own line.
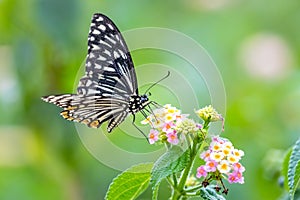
point(224, 167)
point(232, 159)
point(217, 156)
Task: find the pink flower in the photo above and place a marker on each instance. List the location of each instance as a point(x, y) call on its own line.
point(218, 139)
point(153, 136)
point(240, 178)
point(168, 126)
point(211, 166)
point(201, 171)
point(238, 167)
point(205, 155)
point(236, 177)
point(172, 137)
point(232, 178)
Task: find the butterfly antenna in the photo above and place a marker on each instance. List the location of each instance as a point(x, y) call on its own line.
point(158, 82)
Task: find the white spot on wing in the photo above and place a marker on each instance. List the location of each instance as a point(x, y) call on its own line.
point(92, 38)
point(102, 58)
point(116, 54)
point(107, 52)
point(110, 39)
point(105, 43)
point(99, 19)
point(122, 54)
point(96, 47)
point(110, 69)
point(102, 27)
point(97, 66)
point(97, 32)
point(110, 26)
point(88, 83)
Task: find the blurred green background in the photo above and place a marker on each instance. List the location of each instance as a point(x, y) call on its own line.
point(255, 44)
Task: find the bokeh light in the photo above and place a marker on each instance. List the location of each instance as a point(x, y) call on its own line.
point(266, 56)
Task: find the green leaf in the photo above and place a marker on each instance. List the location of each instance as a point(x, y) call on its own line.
point(285, 166)
point(155, 192)
point(210, 193)
point(294, 169)
point(296, 178)
point(297, 195)
point(130, 183)
point(174, 160)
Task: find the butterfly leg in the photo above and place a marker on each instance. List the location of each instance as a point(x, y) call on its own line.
point(145, 115)
point(139, 128)
point(157, 105)
point(151, 111)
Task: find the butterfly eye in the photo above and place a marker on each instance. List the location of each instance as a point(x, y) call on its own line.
point(144, 98)
point(149, 93)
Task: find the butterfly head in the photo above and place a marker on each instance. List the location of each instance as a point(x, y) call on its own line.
point(144, 98)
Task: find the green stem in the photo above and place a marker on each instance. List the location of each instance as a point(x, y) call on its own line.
point(170, 182)
point(179, 191)
point(175, 180)
point(205, 125)
point(194, 188)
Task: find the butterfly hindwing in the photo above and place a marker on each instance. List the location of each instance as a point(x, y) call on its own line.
point(90, 110)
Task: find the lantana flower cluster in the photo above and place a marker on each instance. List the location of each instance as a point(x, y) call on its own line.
point(222, 158)
point(167, 123)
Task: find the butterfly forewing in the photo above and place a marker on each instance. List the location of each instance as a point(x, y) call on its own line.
point(109, 67)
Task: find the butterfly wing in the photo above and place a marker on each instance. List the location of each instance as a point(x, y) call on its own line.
point(90, 110)
point(104, 91)
point(109, 67)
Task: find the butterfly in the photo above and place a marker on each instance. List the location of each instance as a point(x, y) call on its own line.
point(108, 91)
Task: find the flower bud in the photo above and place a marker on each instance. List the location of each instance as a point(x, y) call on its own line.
point(208, 113)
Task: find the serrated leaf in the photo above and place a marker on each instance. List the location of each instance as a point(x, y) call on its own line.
point(209, 193)
point(293, 176)
point(174, 160)
point(130, 183)
point(296, 178)
point(155, 192)
point(285, 166)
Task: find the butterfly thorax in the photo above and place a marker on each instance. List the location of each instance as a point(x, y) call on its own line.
point(137, 103)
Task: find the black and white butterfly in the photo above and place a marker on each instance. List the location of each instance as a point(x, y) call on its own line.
point(108, 91)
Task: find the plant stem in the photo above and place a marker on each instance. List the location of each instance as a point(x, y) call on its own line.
point(179, 191)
